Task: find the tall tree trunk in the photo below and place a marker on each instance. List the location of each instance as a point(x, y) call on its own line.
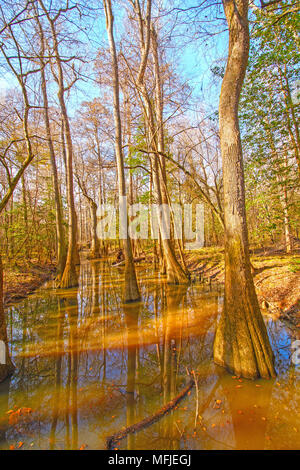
point(61, 250)
point(128, 124)
point(286, 218)
point(101, 195)
point(7, 368)
point(24, 198)
point(69, 277)
point(291, 118)
point(92, 224)
point(175, 273)
point(95, 244)
point(131, 291)
point(283, 193)
point(287, 229)
point(241, 342)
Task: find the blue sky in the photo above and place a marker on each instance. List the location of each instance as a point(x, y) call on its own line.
point(194, 60)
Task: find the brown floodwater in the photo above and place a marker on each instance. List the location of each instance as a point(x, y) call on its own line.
point(88, 366)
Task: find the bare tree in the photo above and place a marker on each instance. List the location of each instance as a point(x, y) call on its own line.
point(69, 277)
point(60, 232)
point(131, 292)
point(153, 115)
point(16, 66)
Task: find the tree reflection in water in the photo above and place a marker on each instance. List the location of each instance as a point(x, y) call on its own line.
point(87, 366)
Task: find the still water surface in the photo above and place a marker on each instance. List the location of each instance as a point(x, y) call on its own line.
point(87, 366)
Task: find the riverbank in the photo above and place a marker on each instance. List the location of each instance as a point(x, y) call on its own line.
point(276, 278)
point(22, 281)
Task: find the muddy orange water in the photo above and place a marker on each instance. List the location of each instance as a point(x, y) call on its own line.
point(87, 366)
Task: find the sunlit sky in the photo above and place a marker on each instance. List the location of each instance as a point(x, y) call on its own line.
point(193, 59)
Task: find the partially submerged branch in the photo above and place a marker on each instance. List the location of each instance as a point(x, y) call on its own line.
point(118, 436)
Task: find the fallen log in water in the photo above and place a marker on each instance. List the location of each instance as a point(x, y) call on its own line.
point(120, 263)
point(136, 260)
point(118, 436)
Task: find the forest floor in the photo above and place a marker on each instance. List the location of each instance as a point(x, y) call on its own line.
point(20, 281)
point(276, 278)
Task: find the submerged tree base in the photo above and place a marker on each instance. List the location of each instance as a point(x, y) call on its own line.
point(69, 278)
point(176, 275)
point(177, 279)
point(241, 343)
point(131, 290)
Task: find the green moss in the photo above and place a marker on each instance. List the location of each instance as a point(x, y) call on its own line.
point(294, 265)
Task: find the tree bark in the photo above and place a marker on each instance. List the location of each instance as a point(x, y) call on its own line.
point(241, 342)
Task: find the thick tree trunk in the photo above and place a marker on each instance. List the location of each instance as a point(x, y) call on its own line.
point(241, 342)
point(131, 291)
point(7, 368)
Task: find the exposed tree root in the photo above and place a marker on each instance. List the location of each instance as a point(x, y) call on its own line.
point(118, 436)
